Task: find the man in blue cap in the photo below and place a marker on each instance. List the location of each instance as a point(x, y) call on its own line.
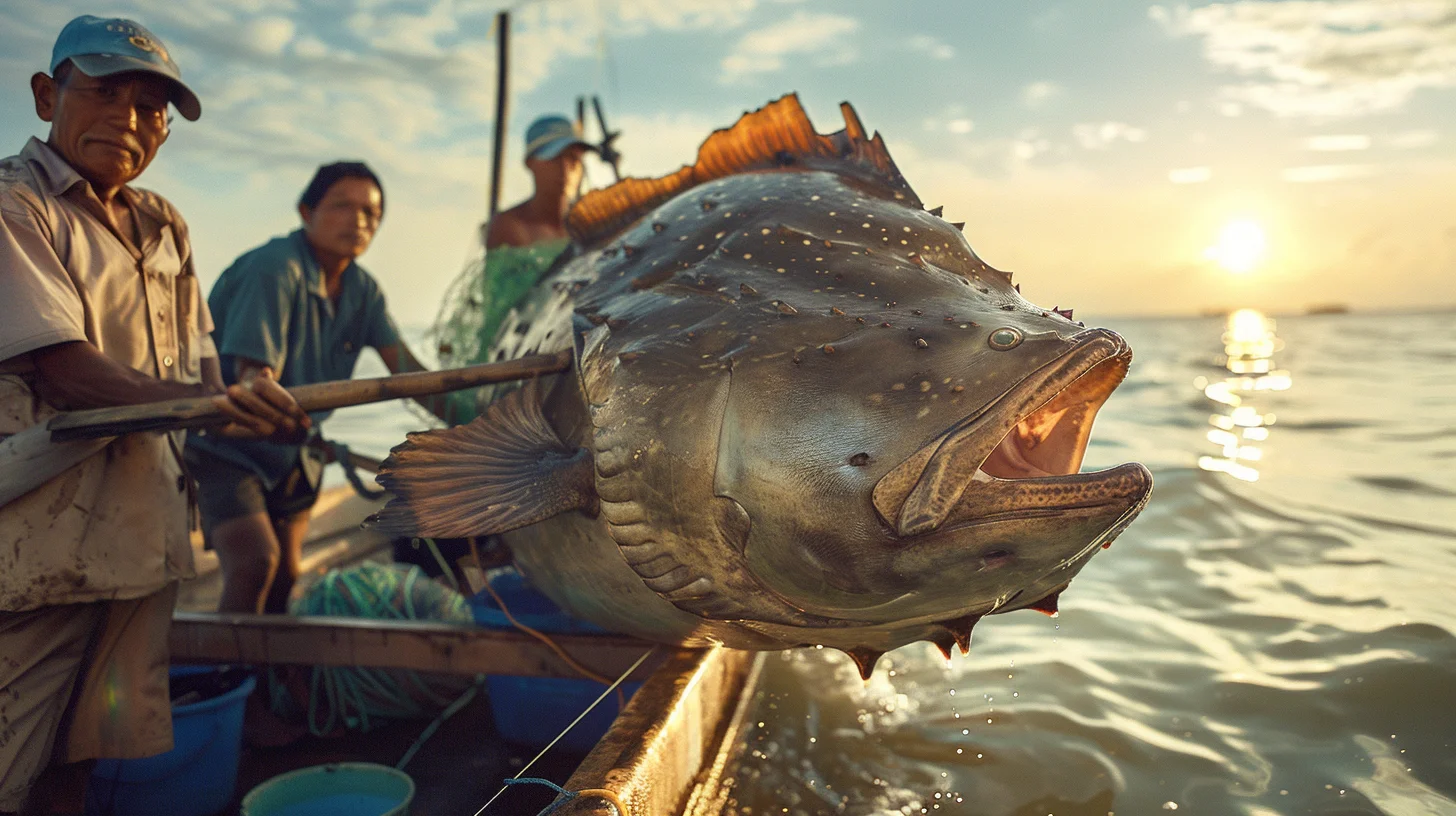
point(99, 306)
point(554, 149)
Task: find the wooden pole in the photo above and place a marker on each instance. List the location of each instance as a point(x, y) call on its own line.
point(32, 457)
point(502, 64)
point(203, 637)
point(197, 412)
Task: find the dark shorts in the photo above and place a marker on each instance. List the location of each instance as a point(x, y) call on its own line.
point(226, 491)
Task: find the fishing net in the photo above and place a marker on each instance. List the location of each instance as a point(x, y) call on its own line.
point(477, 306)
point(359, 698)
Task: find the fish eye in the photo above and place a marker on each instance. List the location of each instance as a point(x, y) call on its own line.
point(1004, 338)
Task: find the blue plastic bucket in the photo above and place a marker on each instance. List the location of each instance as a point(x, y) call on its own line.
point(337, 789)
point(196, 777)
point(531, 711)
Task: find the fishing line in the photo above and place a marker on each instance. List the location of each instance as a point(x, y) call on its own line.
point(579, 717)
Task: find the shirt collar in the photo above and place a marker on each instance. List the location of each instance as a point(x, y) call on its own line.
point(54, 172)
point(315, 275)
point(311, 269)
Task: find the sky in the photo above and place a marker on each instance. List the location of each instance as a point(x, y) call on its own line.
point(1121, 157)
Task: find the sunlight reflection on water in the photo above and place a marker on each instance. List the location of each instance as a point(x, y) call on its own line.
point(1249, 345)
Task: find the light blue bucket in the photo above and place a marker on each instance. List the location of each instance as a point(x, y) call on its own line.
point(338, 789)
point(196, 777)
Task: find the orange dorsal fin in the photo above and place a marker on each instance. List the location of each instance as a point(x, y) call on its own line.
point(777, 136)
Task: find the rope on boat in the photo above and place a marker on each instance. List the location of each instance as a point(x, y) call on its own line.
point(579, 717)
point(340, 452)
point(357, 697)
point(563, 795)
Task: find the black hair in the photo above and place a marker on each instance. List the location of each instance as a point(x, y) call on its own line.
point(329, 174)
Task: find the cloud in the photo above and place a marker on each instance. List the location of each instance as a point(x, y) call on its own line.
point(661, 143)
point(1101, 135)
point(932, 46)
point(1411, 139)
point(764, 49)
point(1324, 58)
point(1190, 175)
point(1039, 93)
point(1337, 142)
point(269, 34)
point(1327, 172)
point(640, 16)
point(1029, 144)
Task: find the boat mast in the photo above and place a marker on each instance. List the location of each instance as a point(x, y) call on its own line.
point(502, 55)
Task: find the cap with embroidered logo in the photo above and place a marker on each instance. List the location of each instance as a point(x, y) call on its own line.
point(104, 46)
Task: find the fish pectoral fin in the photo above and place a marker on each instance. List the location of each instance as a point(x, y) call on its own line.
point(504, 470)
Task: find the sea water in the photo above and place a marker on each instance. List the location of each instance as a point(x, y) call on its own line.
point(1276, 634)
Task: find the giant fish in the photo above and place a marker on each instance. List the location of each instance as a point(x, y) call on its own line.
point(801, 411)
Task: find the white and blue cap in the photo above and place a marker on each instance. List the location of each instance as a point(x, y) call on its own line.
point(101, 47)
point(548, 136)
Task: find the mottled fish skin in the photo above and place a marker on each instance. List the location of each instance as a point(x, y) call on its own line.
point(770, 365)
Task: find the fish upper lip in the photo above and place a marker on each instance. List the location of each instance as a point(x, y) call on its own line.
point(919, 495)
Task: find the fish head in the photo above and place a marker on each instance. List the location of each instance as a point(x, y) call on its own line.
point(908, 444)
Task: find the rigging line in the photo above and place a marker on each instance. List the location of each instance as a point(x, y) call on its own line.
point(579, 717)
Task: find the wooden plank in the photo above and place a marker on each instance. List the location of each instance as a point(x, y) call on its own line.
point(672, 736)
point(199, 637)
point(713, 790)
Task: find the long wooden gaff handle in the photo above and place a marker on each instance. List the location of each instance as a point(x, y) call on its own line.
point(198, 412)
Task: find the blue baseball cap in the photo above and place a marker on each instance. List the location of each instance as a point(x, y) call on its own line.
point(104, 46)
point(548, 136)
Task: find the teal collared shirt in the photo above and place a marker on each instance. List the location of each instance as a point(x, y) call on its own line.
point(271, 305)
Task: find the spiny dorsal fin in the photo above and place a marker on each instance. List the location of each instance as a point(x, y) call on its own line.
point(505, 470)
point(777, 134)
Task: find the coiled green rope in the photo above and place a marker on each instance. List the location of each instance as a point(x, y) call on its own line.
point(360, 698)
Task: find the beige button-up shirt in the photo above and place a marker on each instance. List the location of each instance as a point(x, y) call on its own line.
point(115, 525)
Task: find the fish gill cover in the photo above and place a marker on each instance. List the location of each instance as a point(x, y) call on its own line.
point(802, 411)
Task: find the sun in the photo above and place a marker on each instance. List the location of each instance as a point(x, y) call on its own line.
point(1240, 247)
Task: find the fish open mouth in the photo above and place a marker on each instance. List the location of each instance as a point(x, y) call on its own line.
point(1033, 437)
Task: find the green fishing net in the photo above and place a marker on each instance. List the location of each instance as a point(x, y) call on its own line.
point(476, 306)
point(360, 698)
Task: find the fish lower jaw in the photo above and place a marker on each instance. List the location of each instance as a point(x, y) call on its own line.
point(1116, 493)
point(1041, 430)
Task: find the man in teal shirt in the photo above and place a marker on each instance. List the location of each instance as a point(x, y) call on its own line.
point(300, 308)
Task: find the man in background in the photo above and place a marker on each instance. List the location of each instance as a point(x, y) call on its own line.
point(298, 308)
point(99, 307)
point(554, 150)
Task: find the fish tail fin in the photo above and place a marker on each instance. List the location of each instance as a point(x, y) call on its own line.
point(505, 470)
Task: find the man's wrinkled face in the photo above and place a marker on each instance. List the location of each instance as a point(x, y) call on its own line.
point(346, 218)
point(107, 128)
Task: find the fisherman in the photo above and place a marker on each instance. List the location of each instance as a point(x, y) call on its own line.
point(521, 243)
point(298, 308)
point(99, 307)
point(554, 151)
